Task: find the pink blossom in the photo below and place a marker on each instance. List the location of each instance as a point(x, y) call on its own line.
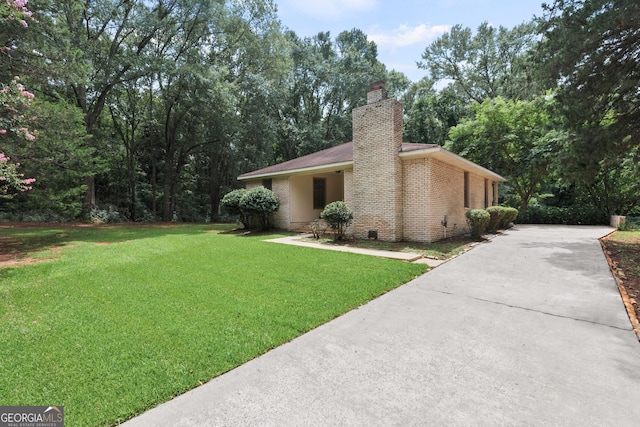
point(24, 23)
point(3, 131)
point(29, 136)
point(29, 180)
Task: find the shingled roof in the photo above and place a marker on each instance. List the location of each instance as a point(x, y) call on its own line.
point(338, 156)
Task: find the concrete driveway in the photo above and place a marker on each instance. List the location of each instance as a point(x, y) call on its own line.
point(526, 330)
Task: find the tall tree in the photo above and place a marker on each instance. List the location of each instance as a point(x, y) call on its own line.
point(214, 60)
point(591, 51)
point(430, 115)
point(60, 157)
point(517, 139)
point(328, 79)
point(127, 108)
point(487, 64)
point(14, 98)
point(110, 40)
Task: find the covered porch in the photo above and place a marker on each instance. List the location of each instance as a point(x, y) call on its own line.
point(309, 194)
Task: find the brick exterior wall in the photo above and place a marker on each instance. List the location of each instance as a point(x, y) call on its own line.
point(377, 169)
point(476, 191)
point(433, 189)
point(416, 205)
point(447, 199)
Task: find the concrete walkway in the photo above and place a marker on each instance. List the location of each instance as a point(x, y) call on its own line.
point(401, 256)
point(527, 330)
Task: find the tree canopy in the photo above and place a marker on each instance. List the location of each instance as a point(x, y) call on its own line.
point(149, 110)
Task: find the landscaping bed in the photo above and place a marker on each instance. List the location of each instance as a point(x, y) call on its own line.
point(623, 252)
point(442, 249)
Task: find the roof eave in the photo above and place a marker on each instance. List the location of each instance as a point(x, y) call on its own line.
point(453, 159)
point(331, 167)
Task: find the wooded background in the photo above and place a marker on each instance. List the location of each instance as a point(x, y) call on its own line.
point(149, 110)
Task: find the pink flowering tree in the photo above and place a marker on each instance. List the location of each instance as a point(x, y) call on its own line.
point(14, 100)
point(12, 181)
point(16, 10)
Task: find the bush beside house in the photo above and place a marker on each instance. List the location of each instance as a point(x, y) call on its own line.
point(490, 219)
point(500, 217)
point(338, 216)
point(478, 220)
point(252, 208)
point(510, 215)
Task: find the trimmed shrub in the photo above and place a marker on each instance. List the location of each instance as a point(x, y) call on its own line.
point(259, 203)
point(501, 217)
point(230, 204)
point(496, 216)
point(571, 215)
point(478, 219)
point(510, 215)
point(338, 216)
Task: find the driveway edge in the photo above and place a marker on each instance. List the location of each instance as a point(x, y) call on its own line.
point(623, 292)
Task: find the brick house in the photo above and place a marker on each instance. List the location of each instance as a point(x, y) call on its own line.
point(402, 191)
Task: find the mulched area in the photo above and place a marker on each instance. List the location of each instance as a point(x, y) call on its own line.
point(623, 254)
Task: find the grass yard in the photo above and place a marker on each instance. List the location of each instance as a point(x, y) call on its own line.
point(111, 321)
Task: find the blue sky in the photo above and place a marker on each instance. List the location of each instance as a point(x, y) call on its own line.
point(402, 29)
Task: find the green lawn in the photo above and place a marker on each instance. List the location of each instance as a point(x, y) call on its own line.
point(109, 330)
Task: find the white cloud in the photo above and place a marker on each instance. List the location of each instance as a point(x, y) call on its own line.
point(333, 9)
point(405, 35)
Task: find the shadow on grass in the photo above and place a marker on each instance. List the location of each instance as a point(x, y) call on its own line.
point(244, 232)
point(21, 240)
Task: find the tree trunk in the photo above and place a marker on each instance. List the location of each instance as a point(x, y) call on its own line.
point(90, 194)
point(132, 188)
point(214, 183)
point(167, 211)
point(154, 187)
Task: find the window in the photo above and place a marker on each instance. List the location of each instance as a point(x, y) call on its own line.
point(494, 200)
point(486, 193)
point(319, 193)
point(267, 183)
point(466, 189)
